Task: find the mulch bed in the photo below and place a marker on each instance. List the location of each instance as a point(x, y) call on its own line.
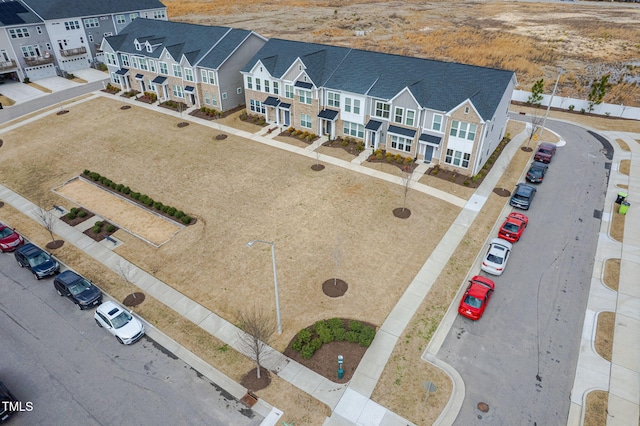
point(502, 192)
point(77, 219)
point(334, 287)
point(56, 244)
point(103, 231)
point(111, 92)
point(253, 384)
point(133, 299)
point(351, 146)
point(253, 119)
point(288, 134)
point(146, 99)
point(401, 213)
point(317, 167)
point(174, 106)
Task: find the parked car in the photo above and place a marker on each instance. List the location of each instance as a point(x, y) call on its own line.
point(545, 152)
point(523, 196)
point(80, 290)
point(6, 399)
point(9, 239)
point(497, 256)
point(119, 322)
point(513, 227)
point(536, 172)
point(41, 263)
point(475, 299)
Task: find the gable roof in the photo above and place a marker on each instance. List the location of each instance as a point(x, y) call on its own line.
point(58, 9)
point(436, 85)
point(178, 38)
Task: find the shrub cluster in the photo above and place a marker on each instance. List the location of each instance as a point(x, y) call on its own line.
point(75, 212)
point(309, 340)
point(130, 93)
point(141, 198)
point(302, 134)
point(151, 95)
point(210, 112)
point(110, 87)
point(388, 157)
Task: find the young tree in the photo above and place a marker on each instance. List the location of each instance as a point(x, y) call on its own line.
point(536, 123)
point(407, 182)
point(47, 220)
point(598, 90)
point(536, 93)
point(337, 258)
point(257, 331)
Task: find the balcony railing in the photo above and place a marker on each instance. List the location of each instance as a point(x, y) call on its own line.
point(73, 52)
point(7, 65)
point(33, 61)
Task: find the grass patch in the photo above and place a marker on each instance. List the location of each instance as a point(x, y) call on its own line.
point(596, 405)
point(625, 167)
point(616, 229)
point(623, 145)
point(604, 334)
point(612, 273)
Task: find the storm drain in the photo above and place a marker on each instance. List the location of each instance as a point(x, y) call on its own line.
point(597, 214)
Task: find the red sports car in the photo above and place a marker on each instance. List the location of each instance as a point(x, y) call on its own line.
point(9, 239)
point(512, 228)
point(476, 297)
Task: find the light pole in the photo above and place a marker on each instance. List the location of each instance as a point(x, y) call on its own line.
point(275, 277)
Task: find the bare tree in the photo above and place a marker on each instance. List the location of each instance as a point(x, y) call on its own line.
point(124, 270)
point(337, 258)
point(536, 122)
point(407, 182)
point(258, 329)
point(47, 220)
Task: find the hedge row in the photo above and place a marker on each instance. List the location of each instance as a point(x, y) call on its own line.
point(390, 158)
point(324, 331)
point(142, 198)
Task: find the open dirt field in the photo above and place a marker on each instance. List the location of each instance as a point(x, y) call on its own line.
point(585, 40)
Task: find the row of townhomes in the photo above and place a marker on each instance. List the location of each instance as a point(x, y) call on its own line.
point(45, 38)
point(194, 64)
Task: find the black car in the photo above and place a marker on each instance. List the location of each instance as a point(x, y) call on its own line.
point(80, 290)
point(537, 171)
point(523, 196)
point(8, 403)
point(41, 263)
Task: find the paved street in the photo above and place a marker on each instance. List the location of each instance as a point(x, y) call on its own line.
point(520, 358)
point(73, 372)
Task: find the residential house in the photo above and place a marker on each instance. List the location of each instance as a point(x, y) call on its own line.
point(45, 38)
point(194, 64)
point(438, 112)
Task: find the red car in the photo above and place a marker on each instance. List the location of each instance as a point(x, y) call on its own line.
point(476, 297)
point(545, 152)
point(9, 239)
point(512, 228)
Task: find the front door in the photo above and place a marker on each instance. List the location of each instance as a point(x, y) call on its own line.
point(428, 154)
point(373, 140)
point(327, 129)
point(286, 118)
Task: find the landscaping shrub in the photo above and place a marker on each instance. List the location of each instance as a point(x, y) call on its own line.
point(379, 156)
point(291, 130)
point(366, 337)
point(110, 228)
point(126, 190)
point(72, 214)
point(335, 323)
point(296, 345)
point(360, 147)
point(119, 187)
point(408, 160)
point(304, 336)
point(351, 336)
point(165, 208)
point(355, 326)
point(81, 213)
point(171, 211)
point(398, 158)
point(96, 229)
point(179, 214)
point(316, 344)
point(135, 195)
point(94, 176)
point(157, 205)
point(345, 143)
point(99, 223)
point(307, 351)
point(326, 335)
point(339, 334)
point(113, 185)
point(186, 220)
point(86, 172)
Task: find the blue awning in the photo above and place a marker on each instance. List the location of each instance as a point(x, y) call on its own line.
point(189, 89)
point(284, 106)
point(139, 77)
point(402, 131)
point(159, 80)
point(431, 139)
point(328, 114)
point(271, 101)
point(122, 71)
point(373, 125)
point(304, 85)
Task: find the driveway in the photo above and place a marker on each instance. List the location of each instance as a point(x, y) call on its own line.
point(20, 92)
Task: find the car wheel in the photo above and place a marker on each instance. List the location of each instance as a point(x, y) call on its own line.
point(20, 263)
point(36, 275)
point(79, 306)
point(98, 322)
point(58, 291)
point(119, 340)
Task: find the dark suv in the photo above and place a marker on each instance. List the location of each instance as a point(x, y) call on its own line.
point(523, 196)
point(80, 290)
point(41, 263)
point(545, 152)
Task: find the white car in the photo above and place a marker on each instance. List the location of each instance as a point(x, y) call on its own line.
point(496, 258)
point(119, 322)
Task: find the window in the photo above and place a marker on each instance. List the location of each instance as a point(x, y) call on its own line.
point(398, 114)
point(304, 96)
point(457, 158)
point(19, 33)
point(276, 88)
point(400, 143)
point(107, 34)
point(410, 116)
point(288, 91)
point(305, 120)
point(152, 65)
point(188, 74)
point(133, 16)
point(178, 91)
point(29, 51)
point(149, 48)
point(162, 67)
point(177, 70)
point(152, 87)
point(134, 62)
point(143, 64)
point(71, 25)
point(466, 110)
point(120, 19)
point(256, 106)
point(258, 85)
point(212, 77)
point(110, 58)
point(352, 105)
point(159, 14)
point(239, 91)
point(207, 99)
point(90, 38)
point(137, 45)
point(209, 77)
point(266, 86)
point(224, 95)
point(249, 83)
point(39, 30)
point(437, 122)
point(382, 110)
point(353, 129)
point(463, 130)
point(333, 99)
point(91, 23)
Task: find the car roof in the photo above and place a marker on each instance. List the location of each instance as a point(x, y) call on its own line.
point(501, 242)
point(478, 290)
point(68, 277)
point(109, 309)
point(546, 145)
point(522, 187)
point(29, 249)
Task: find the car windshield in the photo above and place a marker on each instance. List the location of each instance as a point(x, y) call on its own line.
point(494, 259)
point(5, 232)
point(511, 227)
point(520, 197)
point(473, 301)
point(544, 151)
point(122, 319)
point(38, 259)
point(535, 172)
point(79, 286)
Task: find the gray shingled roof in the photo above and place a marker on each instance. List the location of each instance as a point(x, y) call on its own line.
point(436, 85)
point(192, 41)
point(15, 13)
point(57, 9)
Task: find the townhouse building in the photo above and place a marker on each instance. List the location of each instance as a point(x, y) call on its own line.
point(439, 112)
point(194, 64)
point(45, 38)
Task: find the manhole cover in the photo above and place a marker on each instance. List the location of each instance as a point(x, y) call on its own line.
point(483, 406)
point(334, 287)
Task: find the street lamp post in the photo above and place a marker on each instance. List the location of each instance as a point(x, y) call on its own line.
point(275, 277)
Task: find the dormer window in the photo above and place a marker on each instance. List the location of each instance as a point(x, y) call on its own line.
point(137, 45)
point(466, 110)
point(149, 48)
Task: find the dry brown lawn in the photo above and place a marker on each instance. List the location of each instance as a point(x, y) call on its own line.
point(590, 121)
point(625, 167)
point(596, 408)
point(616, 229)
point(612, 273)
point(623, 145)
point(604, 334)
